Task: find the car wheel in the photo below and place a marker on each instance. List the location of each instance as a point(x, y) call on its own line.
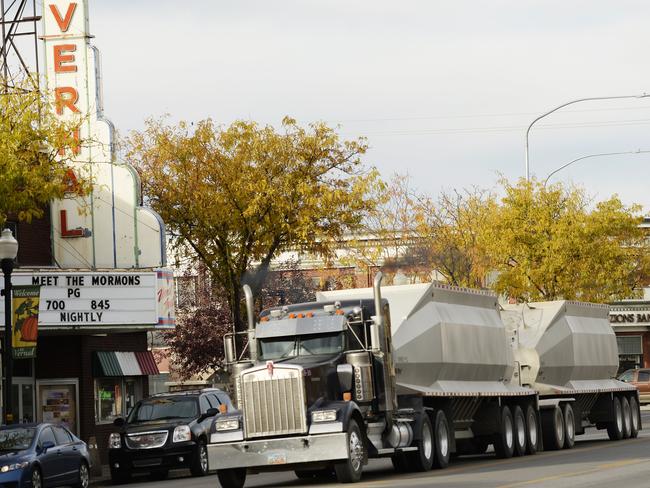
point(84, 476)
point(37, 481)
point(232, 478)
point(349, 470)
point(199, 465)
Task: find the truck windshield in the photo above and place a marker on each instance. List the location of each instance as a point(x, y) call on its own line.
point(285, 347)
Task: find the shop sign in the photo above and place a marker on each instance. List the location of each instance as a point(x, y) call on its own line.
point(84, 299)
point(25, 324)
point(635, 318)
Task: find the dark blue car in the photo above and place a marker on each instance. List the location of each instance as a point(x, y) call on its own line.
point(42, 455)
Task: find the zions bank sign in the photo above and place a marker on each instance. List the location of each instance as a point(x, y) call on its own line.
point(622, 318)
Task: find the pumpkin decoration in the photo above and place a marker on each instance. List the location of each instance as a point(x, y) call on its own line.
point(29, 329)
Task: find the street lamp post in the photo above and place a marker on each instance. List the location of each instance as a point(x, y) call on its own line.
point(638, 151)
point(8, 252)
point(564, 105)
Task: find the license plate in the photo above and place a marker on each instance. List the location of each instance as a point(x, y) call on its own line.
point(277, 458)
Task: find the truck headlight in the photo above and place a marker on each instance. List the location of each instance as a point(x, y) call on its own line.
point(323, 416)
point(228, 423)
point(114, 441)
point(182, 433)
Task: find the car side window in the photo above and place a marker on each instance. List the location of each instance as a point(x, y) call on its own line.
point(205, 405)
point(223, 398)
point(46, 435)
point(212, 398)
point(627, 376)
point(62, 435)
point(644, 376)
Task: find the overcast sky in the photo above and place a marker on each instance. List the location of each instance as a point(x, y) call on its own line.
point(442, 90)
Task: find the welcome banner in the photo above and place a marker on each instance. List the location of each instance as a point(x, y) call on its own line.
point(25, 326)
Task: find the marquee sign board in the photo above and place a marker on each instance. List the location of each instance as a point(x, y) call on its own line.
point(102, 299)
point(108, 228)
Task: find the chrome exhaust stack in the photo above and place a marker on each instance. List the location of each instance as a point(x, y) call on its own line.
point(250, 315)
point(378, 318)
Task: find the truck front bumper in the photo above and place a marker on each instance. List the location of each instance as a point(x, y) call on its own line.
point(278, 451)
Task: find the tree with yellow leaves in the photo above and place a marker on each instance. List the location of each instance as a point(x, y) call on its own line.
point(234, 197)
point(32, 172)
point(553, 242)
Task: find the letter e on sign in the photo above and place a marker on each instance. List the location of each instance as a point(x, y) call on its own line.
point(61, 60)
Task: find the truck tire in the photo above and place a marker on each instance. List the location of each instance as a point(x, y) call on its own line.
point(627, 418)
point(634, 410)
point(532, 434)
point(615, 426)
point(442, 437)
point(349, 470)
point(232, 478)
point(569, 426)
point(553, 428)
point(422, 459)
point(504, 443)
point(519, 422)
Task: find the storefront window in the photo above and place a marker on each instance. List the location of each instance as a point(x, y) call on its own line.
point(115, 397)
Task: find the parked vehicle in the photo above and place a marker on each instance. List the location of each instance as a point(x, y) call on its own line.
point(39, 455)
point(165, 431)
point(427, 371)
point(640, 378)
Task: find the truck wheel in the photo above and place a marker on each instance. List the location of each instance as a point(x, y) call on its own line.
point(349, 470)
point(553, 428)
point(422, 459)
point(569, 426)
point(531, 430)
point(634, 411)
point(504, 443)
point(199, 466)
point(519, 422)
point(442, 437)
point(232, 478)
point(627, 417)
point(615, 426)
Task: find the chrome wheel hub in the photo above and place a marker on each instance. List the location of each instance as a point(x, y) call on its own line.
point(83, 476)
point(427, 443)
point(203, 454)
point(443, 440)
point(356, 451)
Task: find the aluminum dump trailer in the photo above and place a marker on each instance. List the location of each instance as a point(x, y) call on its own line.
point(450, 348)
point(567, 352)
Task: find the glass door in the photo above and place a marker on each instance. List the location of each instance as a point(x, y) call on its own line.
point(58, 402)
point(22, 399)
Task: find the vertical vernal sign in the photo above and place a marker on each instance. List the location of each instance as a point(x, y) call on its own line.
point(107, 228)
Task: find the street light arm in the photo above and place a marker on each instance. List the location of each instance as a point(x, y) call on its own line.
point(591, 156)
point(588, 99)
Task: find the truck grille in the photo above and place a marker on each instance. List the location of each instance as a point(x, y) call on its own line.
point(274, 404)
point(147, 440)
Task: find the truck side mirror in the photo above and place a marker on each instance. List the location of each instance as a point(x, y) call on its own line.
point(345, 372)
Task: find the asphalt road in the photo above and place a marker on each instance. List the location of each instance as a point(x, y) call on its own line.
point(594, 462)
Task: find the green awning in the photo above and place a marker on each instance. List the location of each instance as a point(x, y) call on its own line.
point(108, 363)
point(117, 363)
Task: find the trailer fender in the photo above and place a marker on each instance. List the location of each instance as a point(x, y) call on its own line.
point(546, 403)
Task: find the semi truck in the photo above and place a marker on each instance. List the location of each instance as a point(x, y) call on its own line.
point(414, 373)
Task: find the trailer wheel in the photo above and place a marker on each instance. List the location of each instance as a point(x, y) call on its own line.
point(553, 428)
point(232, 478)
point(615, 426)
point(349, 470)
point(442, 436)
point(422, 459)
point(634, 411)
point(531, 430)
point(519, 422)
point(627, 418)
point(569, 426)
point(504, 444)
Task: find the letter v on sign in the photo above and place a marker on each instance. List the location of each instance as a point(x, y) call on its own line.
point(64, 23)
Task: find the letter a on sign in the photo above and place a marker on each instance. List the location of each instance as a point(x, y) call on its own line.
point(64, 23)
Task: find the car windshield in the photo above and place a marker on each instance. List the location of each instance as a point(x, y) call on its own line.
point(16, 439)
point(164, 408)
point(284, 347)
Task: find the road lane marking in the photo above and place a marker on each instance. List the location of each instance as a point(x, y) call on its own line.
point(601, 467)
